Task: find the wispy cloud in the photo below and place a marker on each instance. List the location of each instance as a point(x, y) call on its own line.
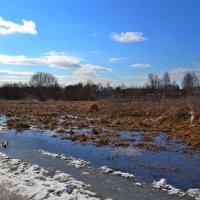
point(8, 27)
point(10, 76)
point(181, 71)
point(137, 80)
point(137, 65)
point(198, 64)
point(81, 71)
point(128, 37)
point(14, 73)
point(53, 59)
point(115, 59)
point(90, 72)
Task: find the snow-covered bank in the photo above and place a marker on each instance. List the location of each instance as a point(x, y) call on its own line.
point(162, 184)
point(194, 193)
point(106, 169)
point(77, 163)
point(34, 182)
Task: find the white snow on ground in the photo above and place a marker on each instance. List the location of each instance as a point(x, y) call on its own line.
point(194, 193)
point(138, 184)
point(72, 117)
point(106, 169)
point(34, 182)
point(162, 184)
point(2, 123)
point(77, 163)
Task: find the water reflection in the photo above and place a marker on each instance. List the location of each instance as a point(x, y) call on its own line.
point(129, 152)
point(146, 166)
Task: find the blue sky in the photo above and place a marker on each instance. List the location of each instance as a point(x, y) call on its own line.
point(116, 41)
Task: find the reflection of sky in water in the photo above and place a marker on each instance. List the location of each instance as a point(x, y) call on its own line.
point(129, 152)
point(125, 159)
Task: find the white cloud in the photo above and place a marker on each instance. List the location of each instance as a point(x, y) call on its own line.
point(10, 76)
point(81, 71)
point(14, 73)
point(7, 27)
point(181, 71)
point(114, 59)
point(53, 59)
point(61, 60)
point(127, 37)
point(89, 72)
point(137, 65)
point(177, 72)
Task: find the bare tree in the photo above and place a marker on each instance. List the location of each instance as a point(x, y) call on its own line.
point(153, 81)
point(166, 79)
point(190, 83)
point(42, 79)
point(45, 86)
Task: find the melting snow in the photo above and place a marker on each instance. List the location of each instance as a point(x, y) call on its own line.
point(34, 182)
point(77, 163)
point(162, 184)
point(117, 173)
point(194, 193)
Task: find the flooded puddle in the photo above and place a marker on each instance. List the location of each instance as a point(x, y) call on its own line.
point(180, 170)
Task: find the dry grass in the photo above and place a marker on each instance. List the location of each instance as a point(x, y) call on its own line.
point(173, 116)
point(151, 147)
point(119, 142)
point(103, 141)
point(17, 124)
point(81, 138)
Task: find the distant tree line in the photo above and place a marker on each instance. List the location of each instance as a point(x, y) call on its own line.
point(44, 86)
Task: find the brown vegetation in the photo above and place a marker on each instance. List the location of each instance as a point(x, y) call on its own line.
point(17, 124)
point(150, 147)
point(180, 118)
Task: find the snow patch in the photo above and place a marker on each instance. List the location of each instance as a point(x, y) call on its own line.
point(2, 123)
point(34, 182)
point(138, 184)
point(194, 193)
point(72, 117)
point(85, 173)
point(106, 169)
point(162, 184)
point(77, 163)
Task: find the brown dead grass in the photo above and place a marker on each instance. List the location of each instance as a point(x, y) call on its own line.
point(81, 138)
point(172, 116)
point(17, 124)
point(150, 147)
point(103, 141)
